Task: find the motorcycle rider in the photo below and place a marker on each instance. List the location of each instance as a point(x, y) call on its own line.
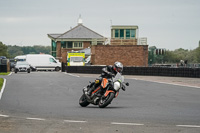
point(107, 72)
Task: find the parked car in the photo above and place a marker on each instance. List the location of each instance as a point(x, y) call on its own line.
point(3, 57)
point(22, 66)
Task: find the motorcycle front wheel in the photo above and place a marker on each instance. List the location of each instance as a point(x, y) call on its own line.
point(104, 101)
point(83, 101)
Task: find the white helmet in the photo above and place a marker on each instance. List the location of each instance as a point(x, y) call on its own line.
point(118, 67)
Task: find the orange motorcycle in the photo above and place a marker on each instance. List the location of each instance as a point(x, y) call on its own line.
point(104, 92)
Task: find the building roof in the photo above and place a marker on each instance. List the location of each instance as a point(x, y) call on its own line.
point(124, 27)
point(78, 32)
point(54, 35)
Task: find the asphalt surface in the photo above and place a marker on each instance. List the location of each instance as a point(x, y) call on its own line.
point(48, 102)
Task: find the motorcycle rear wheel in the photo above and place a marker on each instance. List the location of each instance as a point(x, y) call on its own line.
point(106, 101)
point(83, 101)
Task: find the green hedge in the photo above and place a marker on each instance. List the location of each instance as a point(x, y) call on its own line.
point(5, 73)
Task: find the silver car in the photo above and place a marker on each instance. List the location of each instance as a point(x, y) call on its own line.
point(22, 66)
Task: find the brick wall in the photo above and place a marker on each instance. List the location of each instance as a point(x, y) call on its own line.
point(58, 50)
point(86, 44)
point(129, 55)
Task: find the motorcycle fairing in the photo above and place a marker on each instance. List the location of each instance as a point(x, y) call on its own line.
point(107, 92)
point(116, 94)
point(96, 90)
point(104, 83)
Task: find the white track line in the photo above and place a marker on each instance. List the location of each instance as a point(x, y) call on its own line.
point(38, 119)
point(10, 74)
point(4, 115)
point(194, 126)
point(2, 89)
point(167, 83)
point(74, 121)
point(132, 124)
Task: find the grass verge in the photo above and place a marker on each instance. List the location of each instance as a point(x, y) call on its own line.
point(1, 79)
point(1, 83)
point(5, 73)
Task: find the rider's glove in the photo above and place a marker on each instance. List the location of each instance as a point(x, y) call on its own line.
point(111, 74)
point(123, 87)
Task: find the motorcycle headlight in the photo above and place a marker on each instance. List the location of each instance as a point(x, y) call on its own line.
point(116, 86)
point(96, 81)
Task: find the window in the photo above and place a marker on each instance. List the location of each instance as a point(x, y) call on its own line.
point(69, 44)
point(52, 60)
point(132, 33)
point(124, 32)
point(78, 45)
point(127, 33)
point(116, 33)
point(76, 59)
point(121, 33)
point(53, 54)
point(66, 44)
point(63, 44)
point(53, 43)
point(53, 46)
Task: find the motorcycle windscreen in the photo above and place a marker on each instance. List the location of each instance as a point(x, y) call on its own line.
point(118, 77)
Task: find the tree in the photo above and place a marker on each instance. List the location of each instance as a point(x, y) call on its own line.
point(3, 50)
point(169, 57)
point(180, 54)
point(14, 51)
point(18, 50)
point(42, 49)
point(197, 54)
point(191, 56)
point(27, 49)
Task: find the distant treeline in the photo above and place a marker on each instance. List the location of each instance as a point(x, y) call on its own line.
point(190, 56)
point(13, 51)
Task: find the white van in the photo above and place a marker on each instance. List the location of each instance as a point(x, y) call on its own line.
point(20, 58)
point(43, 62)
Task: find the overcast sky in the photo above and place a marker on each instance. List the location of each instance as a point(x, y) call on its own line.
point(169, 24)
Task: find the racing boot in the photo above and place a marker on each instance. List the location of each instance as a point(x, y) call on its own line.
point(101, 92)
point(91, 90)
